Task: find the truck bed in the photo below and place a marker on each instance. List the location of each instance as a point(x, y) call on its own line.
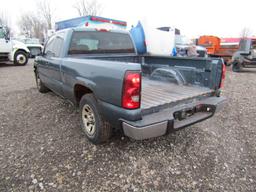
point(157, 94)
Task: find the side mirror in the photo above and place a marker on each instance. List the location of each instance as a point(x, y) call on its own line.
point(7, 38)
point(49, 54)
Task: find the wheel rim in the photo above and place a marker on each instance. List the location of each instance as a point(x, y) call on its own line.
point(88, 120)
point(21, 59)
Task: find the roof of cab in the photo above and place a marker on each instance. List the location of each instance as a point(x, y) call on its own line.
point(90, 29)
point(98, 29)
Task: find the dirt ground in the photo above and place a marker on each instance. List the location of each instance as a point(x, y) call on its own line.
point(42, 147)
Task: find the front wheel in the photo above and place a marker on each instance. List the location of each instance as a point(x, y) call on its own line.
point(20, 58)
point(39, 84)
point(96, 129)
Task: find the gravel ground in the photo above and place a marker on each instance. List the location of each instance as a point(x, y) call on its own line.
point(42, 147)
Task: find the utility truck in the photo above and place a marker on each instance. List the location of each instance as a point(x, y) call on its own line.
point(12, 51)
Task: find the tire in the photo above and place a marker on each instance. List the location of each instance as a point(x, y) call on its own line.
point(39, 84)
point(93, 125)
point(236, 66)
point(20, 58)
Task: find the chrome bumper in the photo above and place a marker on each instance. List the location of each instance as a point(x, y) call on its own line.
point(157, 124)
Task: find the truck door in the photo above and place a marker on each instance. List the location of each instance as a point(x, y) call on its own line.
point(50, 64)
point(5, 43)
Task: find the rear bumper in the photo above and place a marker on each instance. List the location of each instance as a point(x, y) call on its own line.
point(160, 123)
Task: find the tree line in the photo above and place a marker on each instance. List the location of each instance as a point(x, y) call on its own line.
point(36, 24)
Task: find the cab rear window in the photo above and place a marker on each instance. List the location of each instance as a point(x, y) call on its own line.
point(97, 42)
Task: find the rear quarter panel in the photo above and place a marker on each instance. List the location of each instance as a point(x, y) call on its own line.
point(104, 78)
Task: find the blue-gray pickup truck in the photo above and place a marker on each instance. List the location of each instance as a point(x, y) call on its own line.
point(144, 96)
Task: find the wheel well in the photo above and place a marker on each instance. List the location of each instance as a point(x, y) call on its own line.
point(23, 50)
point(80, 91)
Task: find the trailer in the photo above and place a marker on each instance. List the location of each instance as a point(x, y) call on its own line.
point(216, 48)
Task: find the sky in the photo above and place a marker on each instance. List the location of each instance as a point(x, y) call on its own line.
point(223, 18)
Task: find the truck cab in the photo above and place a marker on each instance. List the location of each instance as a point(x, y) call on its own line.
point(12, 51)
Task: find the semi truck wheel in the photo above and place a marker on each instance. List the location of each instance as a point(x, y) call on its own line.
point(20, 58)
point(96, 129)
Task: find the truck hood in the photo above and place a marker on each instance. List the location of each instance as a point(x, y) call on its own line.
point(34, 45)
point(19, 45)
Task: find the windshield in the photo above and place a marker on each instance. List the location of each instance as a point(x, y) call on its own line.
point(31, 41)
point(96, 42)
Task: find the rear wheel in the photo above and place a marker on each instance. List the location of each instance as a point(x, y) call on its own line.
point(95, 127)
point(20, 58)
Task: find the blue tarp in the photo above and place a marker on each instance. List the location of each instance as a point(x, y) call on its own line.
point(138, 37)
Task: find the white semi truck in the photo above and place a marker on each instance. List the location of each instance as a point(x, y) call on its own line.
point(12, 51)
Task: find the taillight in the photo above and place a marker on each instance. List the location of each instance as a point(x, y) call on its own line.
point(131, 90)
point(223, 75)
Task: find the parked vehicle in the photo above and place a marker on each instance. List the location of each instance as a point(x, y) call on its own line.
point(153, 41)
point(217, 49)
point(183, 44)
point(34, 46)
point(11, 50)
point(245, 57)
point(145, 96)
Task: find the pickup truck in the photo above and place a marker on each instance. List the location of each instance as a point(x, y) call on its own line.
point(145, 96)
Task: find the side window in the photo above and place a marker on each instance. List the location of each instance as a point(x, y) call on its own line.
point(57, 46)
point(53, 47)
point(49, 47)
point(2, 33)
